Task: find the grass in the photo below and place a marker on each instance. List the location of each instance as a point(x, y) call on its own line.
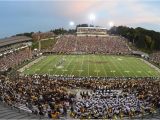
point(93, 65)
point(45, 43)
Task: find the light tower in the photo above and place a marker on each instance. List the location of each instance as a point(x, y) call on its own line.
point(71, 24)
point(92, 18)
point(111, 24)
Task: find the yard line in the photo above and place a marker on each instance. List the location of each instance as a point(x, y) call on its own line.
point(81, 65)
point(148, 74)
point(73, 66)
point(142, 68)
point(110, 67)
point(116, 67)
point(131, 67)
point(66, 65)
point(126, 70)
point(95, 64)
point(103, 65)
point(121, 69)
point(157, 70)
point(45, 64)
point(126, 66)
point(136, 69)
point(57, 57)
point(37, 65)
point(69, 62)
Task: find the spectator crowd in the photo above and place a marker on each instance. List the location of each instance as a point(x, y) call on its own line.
point(10, 60)
point(155, 57)
point(53, 98)
point(87, 44)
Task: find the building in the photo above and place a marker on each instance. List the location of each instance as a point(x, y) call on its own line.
point(91, 31)
point(14, 42)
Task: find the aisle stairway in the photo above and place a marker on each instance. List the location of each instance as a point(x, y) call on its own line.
point(7, 112)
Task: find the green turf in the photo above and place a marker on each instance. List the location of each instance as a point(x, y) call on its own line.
point(49, 42)
point(93, 65)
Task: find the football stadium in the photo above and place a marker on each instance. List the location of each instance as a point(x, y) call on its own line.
point(85, 72)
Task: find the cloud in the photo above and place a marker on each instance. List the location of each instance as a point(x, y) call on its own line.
point(123, 12)
point(29, 15)
point(142, 14)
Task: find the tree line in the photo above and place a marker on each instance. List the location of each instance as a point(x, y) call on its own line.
point(146, 40)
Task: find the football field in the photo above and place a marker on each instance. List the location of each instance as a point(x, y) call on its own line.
point(93, 65)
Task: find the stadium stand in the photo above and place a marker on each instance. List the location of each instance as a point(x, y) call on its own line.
point(13, 51)
point(104, 45)
point(52, 98)
point(155, 57)
point(13, 58)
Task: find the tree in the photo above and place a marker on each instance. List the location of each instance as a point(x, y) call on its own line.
point(143, 39)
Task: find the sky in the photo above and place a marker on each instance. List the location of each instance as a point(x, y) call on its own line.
point(18, 16)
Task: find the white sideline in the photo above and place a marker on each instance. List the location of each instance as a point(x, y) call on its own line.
point(31, 63)
point(156, 68)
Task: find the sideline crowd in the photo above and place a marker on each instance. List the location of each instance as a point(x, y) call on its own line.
point(106, 98)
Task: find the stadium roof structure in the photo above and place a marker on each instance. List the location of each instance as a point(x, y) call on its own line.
point(14, 40)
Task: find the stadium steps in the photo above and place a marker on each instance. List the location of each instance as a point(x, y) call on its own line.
point(155, 116)
point(8, 113)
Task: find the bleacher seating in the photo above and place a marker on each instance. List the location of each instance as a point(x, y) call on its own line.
point(12, 58)
point(155, 57)
point(103, 45)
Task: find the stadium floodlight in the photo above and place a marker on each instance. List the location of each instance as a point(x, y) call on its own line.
point(111, 24)
point(71, 23)
point(92, 17)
